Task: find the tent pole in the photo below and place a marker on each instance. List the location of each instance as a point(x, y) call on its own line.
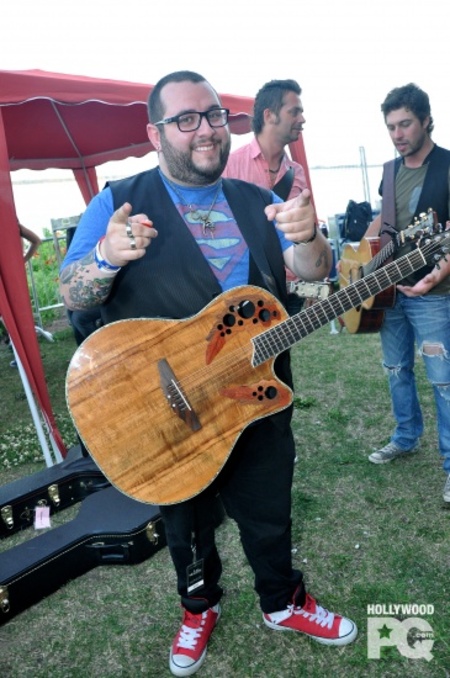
point(34, 411)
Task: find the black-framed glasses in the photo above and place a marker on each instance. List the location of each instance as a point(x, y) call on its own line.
point(189, 122)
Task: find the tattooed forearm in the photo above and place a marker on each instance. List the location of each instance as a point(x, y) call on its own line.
point(84, 294)
point(323, 259)
point(310, 261)
point(82, 286)
point(77, 268)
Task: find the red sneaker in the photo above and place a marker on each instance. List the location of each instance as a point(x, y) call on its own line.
point(324, 626)
point(189, 647)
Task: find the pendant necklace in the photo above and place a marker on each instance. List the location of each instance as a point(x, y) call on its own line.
point(207, 224)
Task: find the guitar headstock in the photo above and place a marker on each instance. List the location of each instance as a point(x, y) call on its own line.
point(424, 225)
point(435, 248)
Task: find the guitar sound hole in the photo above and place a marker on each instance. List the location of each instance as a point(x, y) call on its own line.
point(271, 392)
point(229, 320)
point(264, 315)
point(246, 309)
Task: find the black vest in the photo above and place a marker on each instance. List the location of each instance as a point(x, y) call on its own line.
point(434, 194)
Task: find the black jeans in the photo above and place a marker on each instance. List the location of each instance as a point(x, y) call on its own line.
point(255, 488)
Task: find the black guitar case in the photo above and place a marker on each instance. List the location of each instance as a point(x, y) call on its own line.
point(110, 528)
point(58, 487)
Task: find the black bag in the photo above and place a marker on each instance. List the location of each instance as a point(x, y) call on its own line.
point(357, 218)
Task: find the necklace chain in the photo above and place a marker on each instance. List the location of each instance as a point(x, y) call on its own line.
point(207, 224)
point(275, 171)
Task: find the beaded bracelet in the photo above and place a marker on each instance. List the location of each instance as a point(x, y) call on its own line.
point(103, 264)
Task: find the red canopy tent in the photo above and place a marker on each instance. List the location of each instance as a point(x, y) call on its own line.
point(53, 120)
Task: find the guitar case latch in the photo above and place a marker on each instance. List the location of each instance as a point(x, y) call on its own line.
point(4, 600)
point(152, 534)
point(53, 493)
point(6, 513)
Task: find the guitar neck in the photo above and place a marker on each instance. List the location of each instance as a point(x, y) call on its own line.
point(380, 258)
point(286, 334)
point(425, 223)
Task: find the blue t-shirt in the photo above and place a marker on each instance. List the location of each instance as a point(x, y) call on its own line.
point(222, 246)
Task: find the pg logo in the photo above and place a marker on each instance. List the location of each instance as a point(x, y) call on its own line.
point(413, 637)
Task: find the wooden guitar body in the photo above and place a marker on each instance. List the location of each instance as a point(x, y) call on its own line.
point(161, 403)
point(369, 316)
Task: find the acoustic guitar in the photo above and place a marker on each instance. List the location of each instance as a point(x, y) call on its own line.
point(358, 260)
point(160, 403)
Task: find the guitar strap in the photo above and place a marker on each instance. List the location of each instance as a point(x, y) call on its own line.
point(387, 231)
point(283, 187)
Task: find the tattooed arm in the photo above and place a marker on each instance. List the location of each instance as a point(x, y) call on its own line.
point(83, 284)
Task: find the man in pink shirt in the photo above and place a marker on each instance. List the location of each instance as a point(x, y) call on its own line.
point(277, 121)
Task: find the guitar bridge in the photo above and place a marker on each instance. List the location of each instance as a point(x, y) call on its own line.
point(178, 402)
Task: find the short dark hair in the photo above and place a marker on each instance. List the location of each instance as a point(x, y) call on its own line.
point(155, 106)
point(411, 97)
point(271, 96)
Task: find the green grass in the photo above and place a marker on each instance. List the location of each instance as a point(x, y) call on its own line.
point(363, 534)
point(18, 441)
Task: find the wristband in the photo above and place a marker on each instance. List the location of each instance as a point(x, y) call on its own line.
point(306, 242)
point(103, 264)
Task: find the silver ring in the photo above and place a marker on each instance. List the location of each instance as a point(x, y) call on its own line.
point(128, 230)
point(132, 243)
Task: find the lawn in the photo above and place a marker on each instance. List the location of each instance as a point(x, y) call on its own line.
point(363, 534)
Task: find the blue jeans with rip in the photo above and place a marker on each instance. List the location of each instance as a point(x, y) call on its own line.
point(423, 322)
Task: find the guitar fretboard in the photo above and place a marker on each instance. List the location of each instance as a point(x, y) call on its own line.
point(279, 338)
point(380, 258)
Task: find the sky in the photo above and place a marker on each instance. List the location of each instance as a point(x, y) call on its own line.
point(346, 55)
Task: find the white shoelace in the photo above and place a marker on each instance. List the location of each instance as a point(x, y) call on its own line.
point(188, 636)
point(321, 616)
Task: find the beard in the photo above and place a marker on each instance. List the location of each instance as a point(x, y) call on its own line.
point(414, 146)
point(183, 169)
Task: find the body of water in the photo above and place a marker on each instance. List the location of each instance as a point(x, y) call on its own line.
point(50, 194)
